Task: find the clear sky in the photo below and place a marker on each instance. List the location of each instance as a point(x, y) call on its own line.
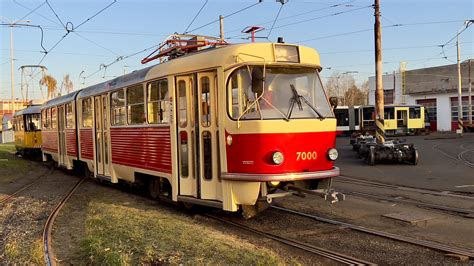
point(341, 30)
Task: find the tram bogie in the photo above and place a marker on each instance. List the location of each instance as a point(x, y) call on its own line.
point(228, 127)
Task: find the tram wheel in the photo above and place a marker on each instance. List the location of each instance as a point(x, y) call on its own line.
point(154, 188)
point(415, 157)
point(371, 157)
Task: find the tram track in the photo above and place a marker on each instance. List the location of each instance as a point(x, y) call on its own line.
point(49, 256)
point(448, 249)
point(332, 255)
point(461, 211)
point(357, 181)
point(25, 187)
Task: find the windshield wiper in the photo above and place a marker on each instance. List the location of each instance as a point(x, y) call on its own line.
point(297, 99)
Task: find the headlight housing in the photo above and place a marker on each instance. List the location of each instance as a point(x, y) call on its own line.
point(278, 158)
point(333, 154)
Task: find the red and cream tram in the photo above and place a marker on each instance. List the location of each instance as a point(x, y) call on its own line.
point(231, 126)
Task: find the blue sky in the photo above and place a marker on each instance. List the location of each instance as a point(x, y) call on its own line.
point(341, 30)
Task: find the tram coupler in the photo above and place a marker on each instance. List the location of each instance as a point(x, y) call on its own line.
point(392, 151)
point(327, 194)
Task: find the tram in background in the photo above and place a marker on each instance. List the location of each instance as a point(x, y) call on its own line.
point(231, 126)
point(27, 130)
point(398, 119)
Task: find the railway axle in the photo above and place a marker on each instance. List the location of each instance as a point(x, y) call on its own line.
point(391, 151)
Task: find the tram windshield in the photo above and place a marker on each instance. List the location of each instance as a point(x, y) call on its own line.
point(33, 122)
point(277, 93)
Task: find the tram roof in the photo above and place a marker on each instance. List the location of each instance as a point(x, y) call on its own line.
point(224, 56)
point(61, 100)
point(32, 109)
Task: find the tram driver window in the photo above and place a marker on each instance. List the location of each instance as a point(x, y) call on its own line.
point(118, 107)
point(389, 113)
point(136, 105)
point(87, 112)
point(157, 102)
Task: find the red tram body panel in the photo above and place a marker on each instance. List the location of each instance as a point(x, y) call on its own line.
point(148, 148)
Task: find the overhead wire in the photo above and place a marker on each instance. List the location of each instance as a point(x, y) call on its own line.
point(276, 18)
point(297, 15)
point(226, 16)
point(199, 12)
point(311, 19)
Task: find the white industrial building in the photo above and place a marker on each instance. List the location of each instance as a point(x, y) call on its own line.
point(436, 88)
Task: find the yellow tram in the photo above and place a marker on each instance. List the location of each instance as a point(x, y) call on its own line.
point(398, 119)
point(27, 130)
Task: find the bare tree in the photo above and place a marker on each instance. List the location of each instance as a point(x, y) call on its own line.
point(338, 84)
point(50, 83)
point(354, 96)
point(67, 84)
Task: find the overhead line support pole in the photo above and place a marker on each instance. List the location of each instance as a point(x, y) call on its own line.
point(470, 95)
point(221, 27)
point(379, 100)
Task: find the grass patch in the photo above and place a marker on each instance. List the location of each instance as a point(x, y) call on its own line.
point(15, 252)
point(12, 167)
point(117, 234)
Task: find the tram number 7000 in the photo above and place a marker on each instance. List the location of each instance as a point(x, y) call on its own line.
point(303, 155)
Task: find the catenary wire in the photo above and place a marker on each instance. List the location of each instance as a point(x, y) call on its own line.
point(226, 16)
point(199, 12)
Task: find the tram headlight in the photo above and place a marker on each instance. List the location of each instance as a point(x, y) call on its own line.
point(229, 140)
point(278, 158)
point(333, 154)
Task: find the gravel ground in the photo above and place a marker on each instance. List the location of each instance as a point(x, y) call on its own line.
point(22, 218)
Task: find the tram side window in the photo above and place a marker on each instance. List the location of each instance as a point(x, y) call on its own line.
point(48, 118)
point(53, 118)
point(415, 112)
point(157, 102)
point(136, 105)
point(389, 113)
point(118, 107)
point(87, 112)
point(69, 116)
point(43, 119)
point(205, 101)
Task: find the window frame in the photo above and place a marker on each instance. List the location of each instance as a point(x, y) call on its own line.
point(128, 106)
point(163, 115)
point(112, 117)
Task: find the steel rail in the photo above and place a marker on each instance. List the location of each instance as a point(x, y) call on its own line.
point(424, 243)
point(464, 160)
point(6, 198)
point(48, 250)
point(339, 257)
point(414, 202)
point(357, 181)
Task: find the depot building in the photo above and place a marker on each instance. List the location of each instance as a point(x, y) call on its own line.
point(436, 88)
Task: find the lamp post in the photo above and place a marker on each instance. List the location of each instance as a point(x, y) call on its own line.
point(466, 24)
point(12, 78)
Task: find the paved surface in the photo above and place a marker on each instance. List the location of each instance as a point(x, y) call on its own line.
point(439, 167)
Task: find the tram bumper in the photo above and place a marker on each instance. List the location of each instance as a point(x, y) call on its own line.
point(246, 189)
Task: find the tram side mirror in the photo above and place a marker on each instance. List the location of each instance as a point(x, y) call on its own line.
point(333, 102)
point(257, 81)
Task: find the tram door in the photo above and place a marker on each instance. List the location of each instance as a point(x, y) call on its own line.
point(62, 135)
point(402, 117)
point(197, 135)
point(101, 135)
